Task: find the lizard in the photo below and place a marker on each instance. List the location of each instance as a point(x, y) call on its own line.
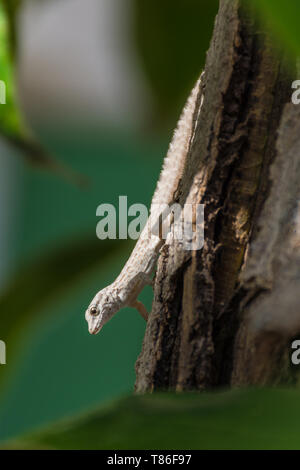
point(136, 274)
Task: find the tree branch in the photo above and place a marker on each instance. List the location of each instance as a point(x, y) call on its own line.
point(199, 303)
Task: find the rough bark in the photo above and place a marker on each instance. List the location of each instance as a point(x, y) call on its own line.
point(226, 314)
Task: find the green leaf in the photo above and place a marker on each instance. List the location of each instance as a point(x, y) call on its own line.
point(43, 281)
point(239, 419)
point(11, 8)
point(11, 122)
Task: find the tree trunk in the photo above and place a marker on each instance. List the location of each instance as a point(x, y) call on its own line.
point(226, 314)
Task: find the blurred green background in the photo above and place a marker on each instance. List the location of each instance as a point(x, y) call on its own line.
point(103, 98)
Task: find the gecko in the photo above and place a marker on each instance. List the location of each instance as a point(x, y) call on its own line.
point(136, 274)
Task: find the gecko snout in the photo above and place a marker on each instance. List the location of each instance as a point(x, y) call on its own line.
point(94, 328)
point(93, 331)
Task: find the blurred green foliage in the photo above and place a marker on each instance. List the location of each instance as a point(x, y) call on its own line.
point(52, 371)
point(11, 8)
point(253, 419)
point(42, 281)
point(13, 126)
point(10, 118)
point(172, 38)
point(282, 17)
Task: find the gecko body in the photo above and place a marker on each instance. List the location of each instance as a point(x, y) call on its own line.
point(136, 273)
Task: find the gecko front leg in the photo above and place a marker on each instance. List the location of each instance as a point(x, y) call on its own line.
point(141, 309)
point(139, 281)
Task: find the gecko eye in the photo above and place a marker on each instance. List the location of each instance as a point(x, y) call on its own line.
point(94, 311)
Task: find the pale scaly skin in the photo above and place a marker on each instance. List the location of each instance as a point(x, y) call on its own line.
point(136, 273)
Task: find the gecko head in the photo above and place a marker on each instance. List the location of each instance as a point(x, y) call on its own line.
point(101, 309)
